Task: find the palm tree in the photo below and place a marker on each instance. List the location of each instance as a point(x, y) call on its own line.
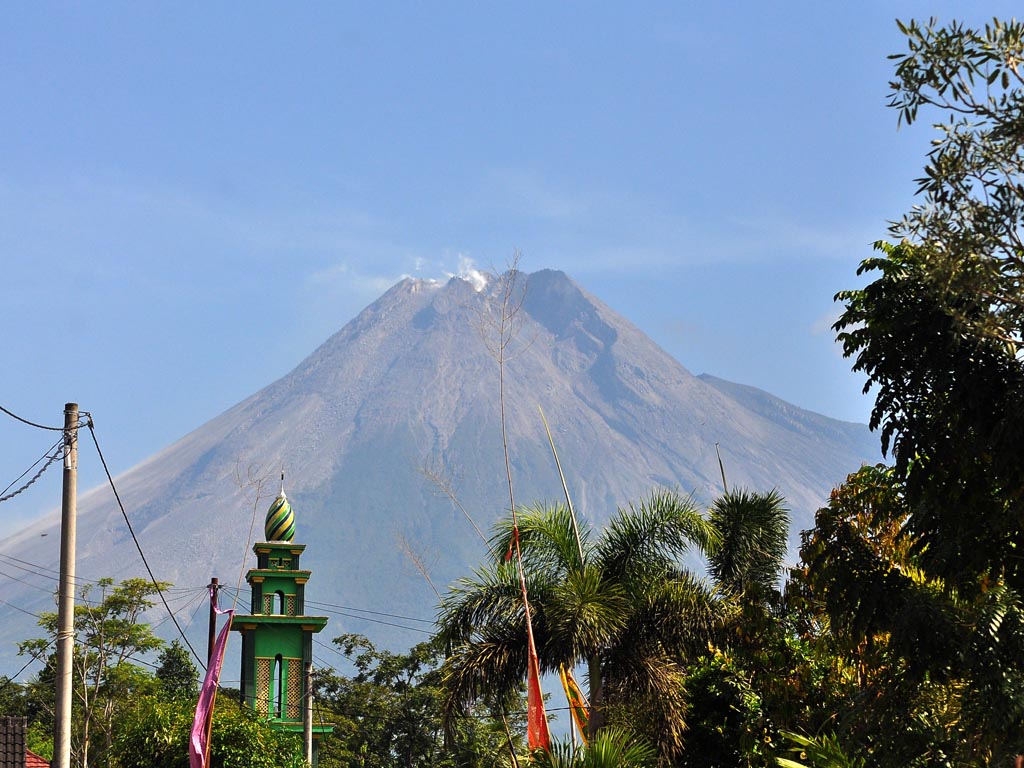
point(619, 602)
point(754, 527)
point(747, 567)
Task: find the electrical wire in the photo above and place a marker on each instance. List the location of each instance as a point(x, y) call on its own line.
point(51, 455)
point(40, 426)
point(379, 621)
point(366, 610)
point(26, 583)
point(248, 539)
point(10, 680)
point(191, 598)
point(354, 614)
point(78, 598)
point(138, 546)
point(199, 604)
point(15, 607)
point(81, 579)
point(330, 648)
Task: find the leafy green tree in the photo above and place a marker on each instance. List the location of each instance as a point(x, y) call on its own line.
point(972, 208)
point(153, 732)
point(932, 614)
point(823, 751)
point(389, 713)
point(176, 673)
point(727, 722)
point(12, 698)
point(622, 604)
point(949, 402)
point(763, 673)
point(940, 329)
point(935, 674)
point(897, 631)
point(109, 633)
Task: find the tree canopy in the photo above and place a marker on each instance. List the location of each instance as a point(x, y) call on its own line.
point(939, 331)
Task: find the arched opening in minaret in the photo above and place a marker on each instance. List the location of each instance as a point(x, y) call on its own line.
point(279, 603)
point(277, 684)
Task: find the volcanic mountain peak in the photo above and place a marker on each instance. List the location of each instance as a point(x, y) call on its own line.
point(401, 406)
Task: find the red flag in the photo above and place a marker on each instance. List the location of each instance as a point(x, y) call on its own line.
point(537, 734)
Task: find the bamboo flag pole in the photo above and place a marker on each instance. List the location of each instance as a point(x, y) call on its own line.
point(565, 487)
point(721, 468)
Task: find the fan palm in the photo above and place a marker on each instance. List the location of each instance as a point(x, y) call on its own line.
point(619, 602)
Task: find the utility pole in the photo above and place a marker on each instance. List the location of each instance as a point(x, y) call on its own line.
point(66, 593)
point(307, 716)
point(214, 586)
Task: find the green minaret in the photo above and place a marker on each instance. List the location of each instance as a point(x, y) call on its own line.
point(277, 636)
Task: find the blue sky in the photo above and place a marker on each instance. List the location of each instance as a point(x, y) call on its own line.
point(192, 199)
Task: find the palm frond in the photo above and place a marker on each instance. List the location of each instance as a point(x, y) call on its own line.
point(647, 691)
point(654, 534)
point(680, 613)
point(612, 748)
point(753, 528)
point(491, 596)
point(588, 609)
point(547, 538)
point(492, 667)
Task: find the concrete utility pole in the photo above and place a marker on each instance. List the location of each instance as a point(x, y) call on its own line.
point(66, 593)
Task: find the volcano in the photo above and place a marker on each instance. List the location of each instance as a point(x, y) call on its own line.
point(390, 438)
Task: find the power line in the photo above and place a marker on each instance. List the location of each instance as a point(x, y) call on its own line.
point(10, 680)
point(347, 611)
point(349, 615)
point(15, 607)
point(196, 598)
point(22, 567)
point(26, 583)
point(41, 426)
point(51, 455)
point(199, 604)
point(40, 567)
point(138, 546)
point(329, 648)
point(379, 621)
point(376, 613)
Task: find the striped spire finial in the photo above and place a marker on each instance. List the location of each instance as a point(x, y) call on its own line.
point(280, 523)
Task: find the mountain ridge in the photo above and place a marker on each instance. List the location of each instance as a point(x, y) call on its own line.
point(407, 385)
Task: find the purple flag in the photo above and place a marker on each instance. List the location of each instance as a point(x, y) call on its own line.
point(197, 743)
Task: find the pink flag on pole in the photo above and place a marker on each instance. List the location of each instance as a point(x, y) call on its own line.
point(197, 742)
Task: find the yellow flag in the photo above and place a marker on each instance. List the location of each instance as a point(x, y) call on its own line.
point(577, 701)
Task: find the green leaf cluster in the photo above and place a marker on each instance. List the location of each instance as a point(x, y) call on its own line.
point(388, 712)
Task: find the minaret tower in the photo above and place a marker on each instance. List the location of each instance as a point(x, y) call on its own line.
point(277, 636)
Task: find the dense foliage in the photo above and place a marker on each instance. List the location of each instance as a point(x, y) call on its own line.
point(917, 569)
point(389, 712)
point(939, 331)
point(126, 712)
point(153, 732)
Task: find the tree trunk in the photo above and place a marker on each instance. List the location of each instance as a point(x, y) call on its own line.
point(596, 715)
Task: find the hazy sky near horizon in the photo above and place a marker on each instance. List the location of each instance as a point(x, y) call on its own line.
point(193, 199)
